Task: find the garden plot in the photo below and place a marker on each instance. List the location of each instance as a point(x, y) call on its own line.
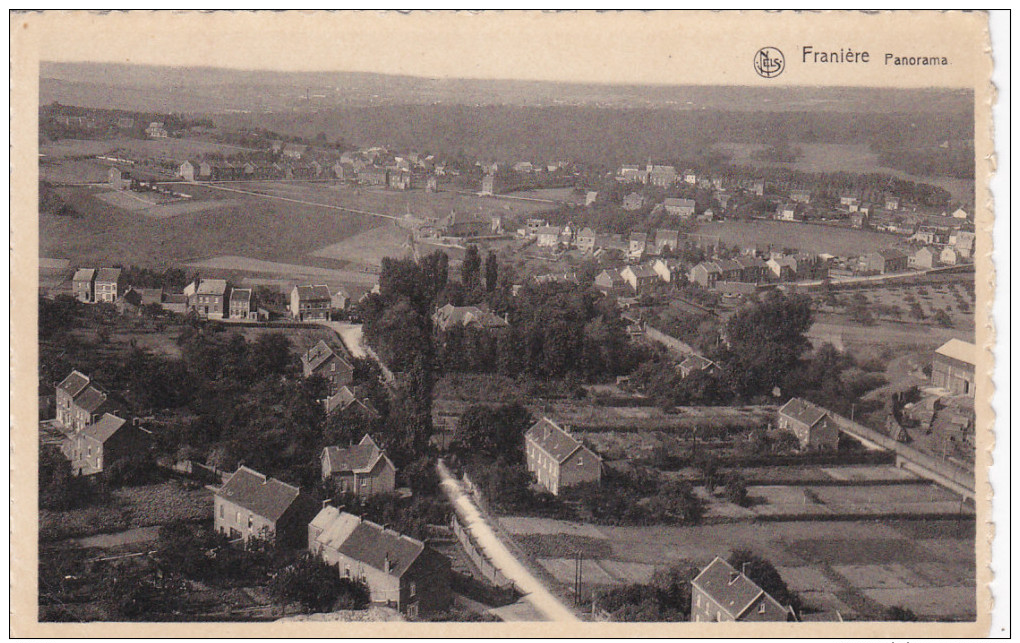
point(892, 576)
point(803, 578)
point(869, 473)
point(564, 570)
point(945, 602)
point(527, 525)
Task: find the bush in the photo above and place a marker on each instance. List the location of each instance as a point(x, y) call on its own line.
point(317, 587)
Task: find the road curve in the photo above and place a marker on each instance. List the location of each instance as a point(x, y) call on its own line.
point(534, 591)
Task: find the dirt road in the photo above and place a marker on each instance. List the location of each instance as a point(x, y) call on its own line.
point(535, 592)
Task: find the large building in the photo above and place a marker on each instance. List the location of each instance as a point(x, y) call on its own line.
point(310, 302)
point(324, 361)
point(104, 442)
point(362, 469)
point(886, 261)
point(810, 423)
point(79, 403)
point(953, 367)
point(209, 298)
point(250, 505)
point(558, 459)
point(400, 571)
point(721, 593)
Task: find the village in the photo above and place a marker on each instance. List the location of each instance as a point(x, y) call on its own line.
point(384, 384)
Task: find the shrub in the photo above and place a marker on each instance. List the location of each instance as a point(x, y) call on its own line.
point(317, 587)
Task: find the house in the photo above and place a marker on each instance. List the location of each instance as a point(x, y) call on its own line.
point(683, 208)
point(524, 167)
point(294, 151)
point(83, 285)
point(663, 176)
point(758, 188)
point(432, 184)
point(724, 199)
point(963, 242)
point(666, 241)
point(610, 281)
point(633, 201)
point(690, 177)
point(810, 423)
point(696, 363)
point(590, 197)
point(637, 245)
point(642, 279)
point(362, 469)
point(310, 302)
point(242, 304)
point(631, 174)
point(345, 400)
point(953, 368)
point(488, 185)
point(892, 203)
point(323, 361)
point(190, 170)
point(886, 261)
point(398, 178)
point(949, 257)
point(960, 213)
point(400, 571)
point(558, 459)
point(208, 297)
point(800, 196)
point(340, 299)
point(752, 269)
point(135, 299)
point(705, 274)
point(721, 593)
point(707, 216)
point(667, 269)
point(119, 179)
point(106, 284)
point(859, 220)
point(450, 316)
point(789, 213)
point(156, 130)
point(548, 236)
point(781, 268)
point(850, 202)
point(175, 303)
point(923, 259)
point(585, 240)
point(249, 505)
point(104, 442)
point(372, 175)
point(729, 270)
point(79, 403)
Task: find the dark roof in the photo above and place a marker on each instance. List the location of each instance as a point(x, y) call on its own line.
point(267, 497)
point(642, 272)
point(240, 295)
point(803, 411)
point(211, 287)
point(359, 458)
point(313, 293)
point(891, 253)
point(84, 274)
point(105, 427)
point(373, 545)
point(552, 439)
point(74, 383)
point(90, 399)
point(108, 275)
point(318, 355)
point(732, 590)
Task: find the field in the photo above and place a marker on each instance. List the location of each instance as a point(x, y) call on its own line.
point(806, 237)
point(178, 149)
point(837, 157)
point(894, 301)
point(369, 247)
point(859, 568)
point(72, 171)
point(233, 263)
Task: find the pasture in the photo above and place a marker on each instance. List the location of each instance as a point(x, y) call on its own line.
point(859, 568)
point(805, 237)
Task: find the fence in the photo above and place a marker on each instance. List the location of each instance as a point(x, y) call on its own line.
point(484, 565)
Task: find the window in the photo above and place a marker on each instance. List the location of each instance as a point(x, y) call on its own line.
point(250, 521)
point(221, 513)
point(412, 588)
point(237, 518)
point(761, 608)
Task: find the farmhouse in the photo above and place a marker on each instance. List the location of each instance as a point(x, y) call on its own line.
point(952, 368)
point(810, 423)
point(310, 303)
point(250, 505)
point(242, 304)
point(208, 297)
point(83, 285)
point(683, 208)
point(103, 443)
point(557, 459)
point(400, 571)
point(362, 469)
point(722, 593)
point(323, 361)
point(80, 403)
point(886, 261)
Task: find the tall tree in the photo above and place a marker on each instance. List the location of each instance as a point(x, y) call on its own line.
point(470, 270)
point(491, 271)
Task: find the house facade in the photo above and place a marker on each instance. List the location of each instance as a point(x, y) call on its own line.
point(954, 367)
point(107, 285)
point(324, 361)
point(810, 423)
point(633, 201)
point(610, 281)
point(923, 259)
point(683, 208)
point(641, 279)
point(308, 303)
point(721, 593)
point(557, 459)
point(208, 297)
point(79, 403)
point(362, 469)
point(400, 571)
point(242, 304)
point(104, 442)
point(585, 240)
point(250, 505)
point(886, 261)
point(83, 285)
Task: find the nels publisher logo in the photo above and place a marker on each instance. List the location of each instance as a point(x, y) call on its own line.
point(769, 62)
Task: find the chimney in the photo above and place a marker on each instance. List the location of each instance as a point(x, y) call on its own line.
point(734, 575)
point(386, 563)
point(327, 503)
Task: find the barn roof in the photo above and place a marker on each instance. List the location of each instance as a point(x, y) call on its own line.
point(958, 349)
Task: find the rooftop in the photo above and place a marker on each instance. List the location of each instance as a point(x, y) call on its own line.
point(730, 589)
point(958, 349)
point(803, 411)
point(553, 439)
point(267, 497)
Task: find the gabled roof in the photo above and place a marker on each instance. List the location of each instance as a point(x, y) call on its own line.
point(958, 349)
point(240, 295)
point(803, 411)
point(726, 265)
point(586, 232)
point(747, 261)
point(143, 296)
point(318, 355)
point(84, 274)
point(891, 253)
point(642, 272)
point(313, 293)
point(731, 590)
point(376, 546)
point(335, 526)
point(666, 235)
point(709, 266)
point(212, 287)
point(267, 497)
point(638, 236)
point(613, 274)
point(104, 428)
point(360, 458)
point(74, 383)
point(555, 441)
point(90, 399)
point(108, 275)
point(679, 203)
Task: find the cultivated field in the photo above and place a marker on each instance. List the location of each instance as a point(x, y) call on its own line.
point(234, 263)
point(178, 149)
point(858, 568)
point(369, 247)
point(63, 170)
point(806, 237)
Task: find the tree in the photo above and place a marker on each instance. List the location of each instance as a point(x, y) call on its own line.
point(765, 575)
point(897, 613)
point(491, 271)
point(471, 268)
point(317, 587)
point(494, 432)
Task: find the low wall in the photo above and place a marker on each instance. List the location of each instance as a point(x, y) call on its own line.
point(668, 341)
point(488, 570)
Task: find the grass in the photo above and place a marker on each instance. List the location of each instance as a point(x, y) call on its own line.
point(806, 237)
point(564, 546)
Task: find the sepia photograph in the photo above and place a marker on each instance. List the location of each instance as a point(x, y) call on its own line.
point(407, 336)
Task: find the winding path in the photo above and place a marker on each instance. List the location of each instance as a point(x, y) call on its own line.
point(535, 592)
